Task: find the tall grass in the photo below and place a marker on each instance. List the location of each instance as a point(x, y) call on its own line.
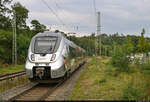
point(11, 69)
point(131, 93)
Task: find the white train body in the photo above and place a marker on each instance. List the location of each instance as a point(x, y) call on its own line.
point(47, 56)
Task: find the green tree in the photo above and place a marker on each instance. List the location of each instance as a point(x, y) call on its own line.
point(37, 27)
point(3, 8)
point(56, 31)
point(5, 46)
point(23, 45)
point(143, 44)
point(128, 46)
point(21, 14)
point(120, 60)
point(5, 22)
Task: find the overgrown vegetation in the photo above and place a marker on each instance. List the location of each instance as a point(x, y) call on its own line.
point(99, 81)
point(108, 78)
point(24, 32)
point(120, 60)
point(131, 93)
point(8, 84)
point(110, 43)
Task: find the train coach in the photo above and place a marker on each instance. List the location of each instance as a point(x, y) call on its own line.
point(51, 56)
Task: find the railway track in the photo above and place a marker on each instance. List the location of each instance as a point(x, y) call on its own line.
point(12, 75)
point(41, 91)
point(36, 93)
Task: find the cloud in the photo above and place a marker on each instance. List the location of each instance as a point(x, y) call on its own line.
point(71, 19)
point(26, 2)
point(123, 16)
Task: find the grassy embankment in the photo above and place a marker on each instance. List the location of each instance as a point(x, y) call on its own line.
point(101, 81)
point(12, 83)
point(11, 69)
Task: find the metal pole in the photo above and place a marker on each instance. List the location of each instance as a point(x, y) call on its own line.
point(95, 44)
point(99, 29)
point(15, 38)
point(14, 42)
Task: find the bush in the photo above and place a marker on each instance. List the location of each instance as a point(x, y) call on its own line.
point(120, 60)
point(137, 61)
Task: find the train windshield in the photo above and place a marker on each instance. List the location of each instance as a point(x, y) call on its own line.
point(45, 45)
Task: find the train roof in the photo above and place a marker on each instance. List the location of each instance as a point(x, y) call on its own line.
point(48, 33)
point(59, 35)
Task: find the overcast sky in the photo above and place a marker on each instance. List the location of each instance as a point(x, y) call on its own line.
point(122, 16)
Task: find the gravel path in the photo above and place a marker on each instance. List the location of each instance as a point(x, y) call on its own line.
point(65, 90)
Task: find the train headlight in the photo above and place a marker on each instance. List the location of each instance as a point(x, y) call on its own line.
point(32, 57)
point(53, 57)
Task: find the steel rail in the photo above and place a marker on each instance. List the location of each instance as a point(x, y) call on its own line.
point(12, 75)
point(42, 98)
point(51, 90)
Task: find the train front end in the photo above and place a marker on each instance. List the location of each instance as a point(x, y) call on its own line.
point(44, 60)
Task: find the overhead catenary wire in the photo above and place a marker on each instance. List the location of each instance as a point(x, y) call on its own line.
point(61, 9)
point(95, 11)
point(54, 13)
point(51, 10)
point(63, 13)
point(94, 5)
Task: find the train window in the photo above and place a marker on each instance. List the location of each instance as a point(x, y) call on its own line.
point(45, 45)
